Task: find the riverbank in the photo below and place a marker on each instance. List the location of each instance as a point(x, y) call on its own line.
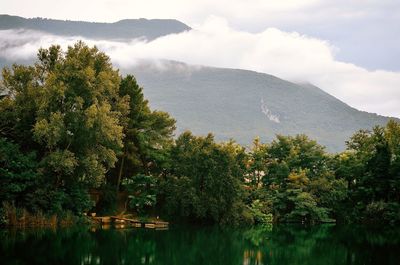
point(12, 216)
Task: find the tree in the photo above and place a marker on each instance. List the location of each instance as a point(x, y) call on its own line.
point(21, 85)
point(147, 135)
point(257, 163)
point(142, 190)
point(18, 173)
point(371, 165)
point(78, 116)
point(299, 184)
point(204, 180)
point(68, 111)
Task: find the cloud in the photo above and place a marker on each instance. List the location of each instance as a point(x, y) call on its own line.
point(357, 27)
point(288, 55)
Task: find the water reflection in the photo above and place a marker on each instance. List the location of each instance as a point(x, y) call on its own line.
point(262, 245)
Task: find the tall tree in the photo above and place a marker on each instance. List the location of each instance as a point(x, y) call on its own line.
point(69, 104)
point(147, 135)
point(205, 180)
point(257, 163)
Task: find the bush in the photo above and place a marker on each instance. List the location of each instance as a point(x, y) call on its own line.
point(78, 200)
point(260, 213)
point(142, 192)
point(382, 212)
point(18, 173)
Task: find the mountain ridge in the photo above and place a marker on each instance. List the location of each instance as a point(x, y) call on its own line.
point(149, 29)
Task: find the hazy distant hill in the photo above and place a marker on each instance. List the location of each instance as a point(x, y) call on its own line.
point(123, 29)
point(243, 104)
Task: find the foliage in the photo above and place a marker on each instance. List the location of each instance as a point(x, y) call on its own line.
point(371, 168)
point(298, 182)
point(71, 123)
point(65, 109)
point(18, 173)
point(107, 204)
point(142, 192)
point(67, 105)
point(147, 135)
point(260, 213)
point(205, 178)
point(257, 163)
point(380, 211)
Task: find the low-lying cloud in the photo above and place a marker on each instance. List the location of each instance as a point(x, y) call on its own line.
point(288, 55)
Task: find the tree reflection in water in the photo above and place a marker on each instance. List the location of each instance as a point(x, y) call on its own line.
point(192, 245)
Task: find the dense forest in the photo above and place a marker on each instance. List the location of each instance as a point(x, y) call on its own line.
point(71, 124)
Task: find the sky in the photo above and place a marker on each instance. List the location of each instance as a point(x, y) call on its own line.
point(349, 48)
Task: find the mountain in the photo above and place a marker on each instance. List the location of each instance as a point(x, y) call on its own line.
point(231, 103)
point(124, 29)
point(242, 104)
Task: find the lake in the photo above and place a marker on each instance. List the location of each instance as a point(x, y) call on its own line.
point(283, 244)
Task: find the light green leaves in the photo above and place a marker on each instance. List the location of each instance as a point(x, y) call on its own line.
point(50, 132)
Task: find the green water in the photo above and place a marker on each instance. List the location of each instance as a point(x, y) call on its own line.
point(279, 245)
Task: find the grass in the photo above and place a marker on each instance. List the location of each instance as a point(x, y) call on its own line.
point(12, 216)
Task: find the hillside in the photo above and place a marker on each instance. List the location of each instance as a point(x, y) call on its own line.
point(241, 104)
point(124, 29)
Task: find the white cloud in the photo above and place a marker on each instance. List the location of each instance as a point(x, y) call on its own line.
point(358, 28)
point(288, 55)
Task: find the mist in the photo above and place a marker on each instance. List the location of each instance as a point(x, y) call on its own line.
point(288, 55)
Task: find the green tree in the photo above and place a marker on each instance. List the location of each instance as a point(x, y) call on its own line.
point(78, 116)
point(18, 173)
point(67, 109)
point(299, 182)
point(148, 134)
point(257, 163)
point(68, 103)
point(371, 166)
point(22, 87)
point(142, 192)
point(205, 179)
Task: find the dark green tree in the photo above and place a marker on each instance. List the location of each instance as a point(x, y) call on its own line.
point(148, 134)
point(18, 173)
point(142, 192)
point(205, 180)
point(371, 166)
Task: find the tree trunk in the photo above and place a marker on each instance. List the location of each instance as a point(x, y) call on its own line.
point(121, 169)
